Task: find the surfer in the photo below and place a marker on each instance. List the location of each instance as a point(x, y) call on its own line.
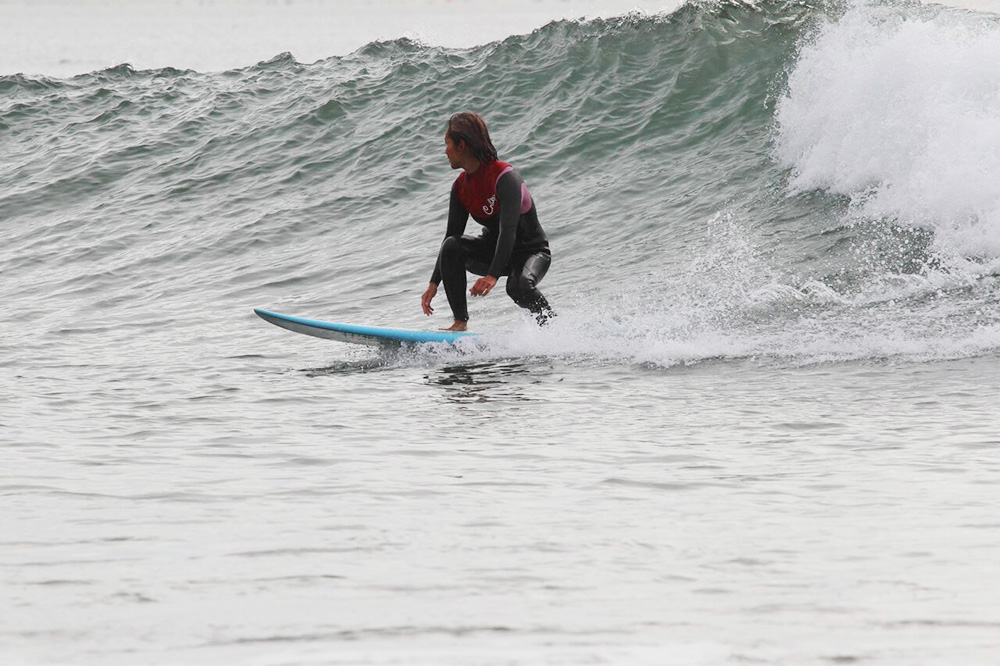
point(512, 242)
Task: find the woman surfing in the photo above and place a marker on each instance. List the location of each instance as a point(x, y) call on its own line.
point(512, 242)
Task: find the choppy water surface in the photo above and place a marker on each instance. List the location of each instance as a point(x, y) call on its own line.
point(762, 429)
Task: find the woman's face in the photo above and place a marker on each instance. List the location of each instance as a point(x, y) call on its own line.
point(453, 152)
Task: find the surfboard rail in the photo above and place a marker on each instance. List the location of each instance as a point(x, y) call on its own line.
point(359, 334)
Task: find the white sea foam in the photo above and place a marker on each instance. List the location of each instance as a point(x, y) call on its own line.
point(733, 303)
point(902, 114)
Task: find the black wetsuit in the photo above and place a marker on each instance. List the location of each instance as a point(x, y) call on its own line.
point(512, 243)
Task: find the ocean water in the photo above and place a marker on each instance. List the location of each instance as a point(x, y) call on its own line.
point(763, 428)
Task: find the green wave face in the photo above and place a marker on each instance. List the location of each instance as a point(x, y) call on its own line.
point(666, 155)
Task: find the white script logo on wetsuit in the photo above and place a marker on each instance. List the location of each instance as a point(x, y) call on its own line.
point(489, 209)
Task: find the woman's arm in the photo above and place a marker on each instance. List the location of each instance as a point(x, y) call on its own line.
point(509, 198)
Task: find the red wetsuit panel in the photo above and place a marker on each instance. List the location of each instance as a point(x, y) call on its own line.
point(478, 191)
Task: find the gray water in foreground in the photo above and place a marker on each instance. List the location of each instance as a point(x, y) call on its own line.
point(512, 511)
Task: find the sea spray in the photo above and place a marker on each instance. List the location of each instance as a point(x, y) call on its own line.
point(899, 109)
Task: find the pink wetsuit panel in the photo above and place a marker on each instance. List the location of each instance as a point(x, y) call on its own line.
point(525, 195)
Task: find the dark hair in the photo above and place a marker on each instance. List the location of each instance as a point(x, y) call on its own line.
point(470, 128)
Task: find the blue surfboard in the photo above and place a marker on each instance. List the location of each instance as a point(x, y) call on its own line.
point(359, 335)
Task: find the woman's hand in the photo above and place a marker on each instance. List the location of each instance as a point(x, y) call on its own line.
point(425, 300)
point(483, 286)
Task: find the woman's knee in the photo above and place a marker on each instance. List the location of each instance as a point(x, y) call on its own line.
point(450, 244)
point(451, 249)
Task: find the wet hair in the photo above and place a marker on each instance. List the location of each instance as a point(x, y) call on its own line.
point(470, 129)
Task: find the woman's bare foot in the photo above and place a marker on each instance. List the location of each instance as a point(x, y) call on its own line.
point(457, 326)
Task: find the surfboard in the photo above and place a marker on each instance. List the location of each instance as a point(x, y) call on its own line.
point(359, 335)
